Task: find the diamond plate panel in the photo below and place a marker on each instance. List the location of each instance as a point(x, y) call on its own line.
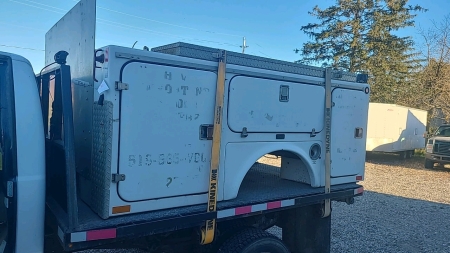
point(100, 174)
point(269, 170)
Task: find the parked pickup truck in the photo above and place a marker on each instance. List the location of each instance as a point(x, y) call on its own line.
point(438, 147)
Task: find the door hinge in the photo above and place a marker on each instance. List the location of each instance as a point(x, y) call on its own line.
point(10, 189)
point(313, 133)
point(117, 178)
point(121, 86)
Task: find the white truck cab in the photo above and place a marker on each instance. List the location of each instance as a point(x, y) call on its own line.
point(22, 157)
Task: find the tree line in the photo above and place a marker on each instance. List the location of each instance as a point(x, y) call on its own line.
point(362, 36)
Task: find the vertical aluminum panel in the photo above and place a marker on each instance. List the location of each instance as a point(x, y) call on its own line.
point(75, 33)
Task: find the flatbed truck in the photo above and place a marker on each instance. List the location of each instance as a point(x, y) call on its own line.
point(112, 147)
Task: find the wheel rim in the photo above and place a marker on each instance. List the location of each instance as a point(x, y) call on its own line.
point(266, 248)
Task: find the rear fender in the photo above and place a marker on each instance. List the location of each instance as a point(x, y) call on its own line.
point(240, 157)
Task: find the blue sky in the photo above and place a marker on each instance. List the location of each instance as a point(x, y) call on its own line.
point(271, 27)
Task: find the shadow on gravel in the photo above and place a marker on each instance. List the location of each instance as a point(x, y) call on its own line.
point(416, 163)
point(386, 223)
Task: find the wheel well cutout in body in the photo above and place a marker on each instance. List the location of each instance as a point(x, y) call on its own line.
point(278, 165)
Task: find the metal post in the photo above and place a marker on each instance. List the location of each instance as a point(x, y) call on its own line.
point(244, 45)
point(327, 206)
point(45, 82)
point(69, 146)
point(56, 119)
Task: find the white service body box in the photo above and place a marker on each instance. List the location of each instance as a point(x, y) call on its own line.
point(151, 117)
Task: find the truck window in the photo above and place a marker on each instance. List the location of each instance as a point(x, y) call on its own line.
point(3, 214)
point(443, 131)
point(8, 165)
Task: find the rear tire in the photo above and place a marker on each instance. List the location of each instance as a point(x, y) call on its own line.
point(403, 155)
point(253, 240)
point(429, 164)
point(410, 154)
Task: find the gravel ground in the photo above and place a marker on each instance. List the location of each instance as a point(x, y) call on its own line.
point(405, 208)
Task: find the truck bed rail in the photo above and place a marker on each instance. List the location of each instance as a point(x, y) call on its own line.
point(262, 192)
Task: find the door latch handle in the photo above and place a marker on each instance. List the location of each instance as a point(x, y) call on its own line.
point(358, 133)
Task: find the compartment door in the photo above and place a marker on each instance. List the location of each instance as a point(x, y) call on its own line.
point(348, 132)
point(161, 153)
point(271, 106)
